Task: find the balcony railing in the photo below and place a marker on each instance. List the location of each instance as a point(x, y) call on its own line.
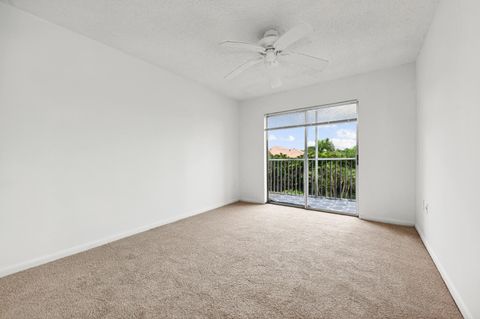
point(327, 177)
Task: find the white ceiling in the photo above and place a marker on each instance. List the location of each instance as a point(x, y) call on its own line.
point(182, 36)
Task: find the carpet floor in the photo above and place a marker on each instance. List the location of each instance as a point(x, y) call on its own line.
point(241, 261)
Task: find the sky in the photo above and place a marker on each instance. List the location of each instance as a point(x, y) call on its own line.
point(343, 135)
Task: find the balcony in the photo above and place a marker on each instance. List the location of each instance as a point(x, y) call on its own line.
point(331, 183)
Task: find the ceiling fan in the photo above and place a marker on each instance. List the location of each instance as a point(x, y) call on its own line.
point(275, 49)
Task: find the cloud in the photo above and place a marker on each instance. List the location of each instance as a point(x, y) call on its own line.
point(346, 134)
point(272, 137)
point(343, 143)
point(344, 139)
point(311, 143)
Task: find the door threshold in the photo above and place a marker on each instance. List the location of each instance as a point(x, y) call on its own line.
point(329, 211)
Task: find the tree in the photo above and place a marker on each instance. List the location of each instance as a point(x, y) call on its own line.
point(326, 146)
point(336, 178)
point(326, 149)
point(277, 156)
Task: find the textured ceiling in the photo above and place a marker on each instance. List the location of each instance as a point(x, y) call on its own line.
point(182, 36)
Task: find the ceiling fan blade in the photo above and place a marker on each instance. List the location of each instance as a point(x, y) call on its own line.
point(305, 60)
point(247, 65)
point(293, 35)
point(242, 46)
point(299, 44)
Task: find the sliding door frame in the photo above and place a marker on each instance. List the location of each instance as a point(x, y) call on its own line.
point(305, 157)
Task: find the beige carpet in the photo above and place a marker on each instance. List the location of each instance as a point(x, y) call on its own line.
point(241, 261)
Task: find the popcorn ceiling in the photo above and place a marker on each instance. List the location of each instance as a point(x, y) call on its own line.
point(183, 35)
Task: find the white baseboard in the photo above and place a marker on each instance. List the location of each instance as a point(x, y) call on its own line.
point(453, 291)
point(251, 200)
point(387, 220)
point(92, 244)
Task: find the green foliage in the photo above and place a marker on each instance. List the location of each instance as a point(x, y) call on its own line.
point(277, 156)
point(333, 178)
point(326, 149)
point(325, 146)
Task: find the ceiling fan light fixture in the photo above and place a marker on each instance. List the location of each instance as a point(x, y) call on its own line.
point(271, 64)
point(274, 76)
point(270, 56)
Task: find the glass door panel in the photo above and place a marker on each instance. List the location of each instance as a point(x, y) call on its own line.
point(285, 166)
point(332, 150)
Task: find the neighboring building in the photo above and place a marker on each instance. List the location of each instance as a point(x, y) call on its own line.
point(289, 152)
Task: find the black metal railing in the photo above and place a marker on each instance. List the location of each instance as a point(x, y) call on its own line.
point(327, 177)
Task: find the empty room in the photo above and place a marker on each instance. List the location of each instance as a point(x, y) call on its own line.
point(239, 159)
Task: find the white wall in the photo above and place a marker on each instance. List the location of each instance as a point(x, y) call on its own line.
point(95, 144)
point(448, 73)
point(386, 139)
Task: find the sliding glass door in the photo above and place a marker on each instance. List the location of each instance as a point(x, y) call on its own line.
point(312, 158)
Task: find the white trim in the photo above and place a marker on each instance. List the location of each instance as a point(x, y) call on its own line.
point(92, 244)
point(251, 200)
point(451, 287)
point(387, 220)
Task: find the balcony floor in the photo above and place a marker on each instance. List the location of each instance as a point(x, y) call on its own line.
point(320, 203)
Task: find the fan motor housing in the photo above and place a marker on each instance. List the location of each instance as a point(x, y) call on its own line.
point(269, 38)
